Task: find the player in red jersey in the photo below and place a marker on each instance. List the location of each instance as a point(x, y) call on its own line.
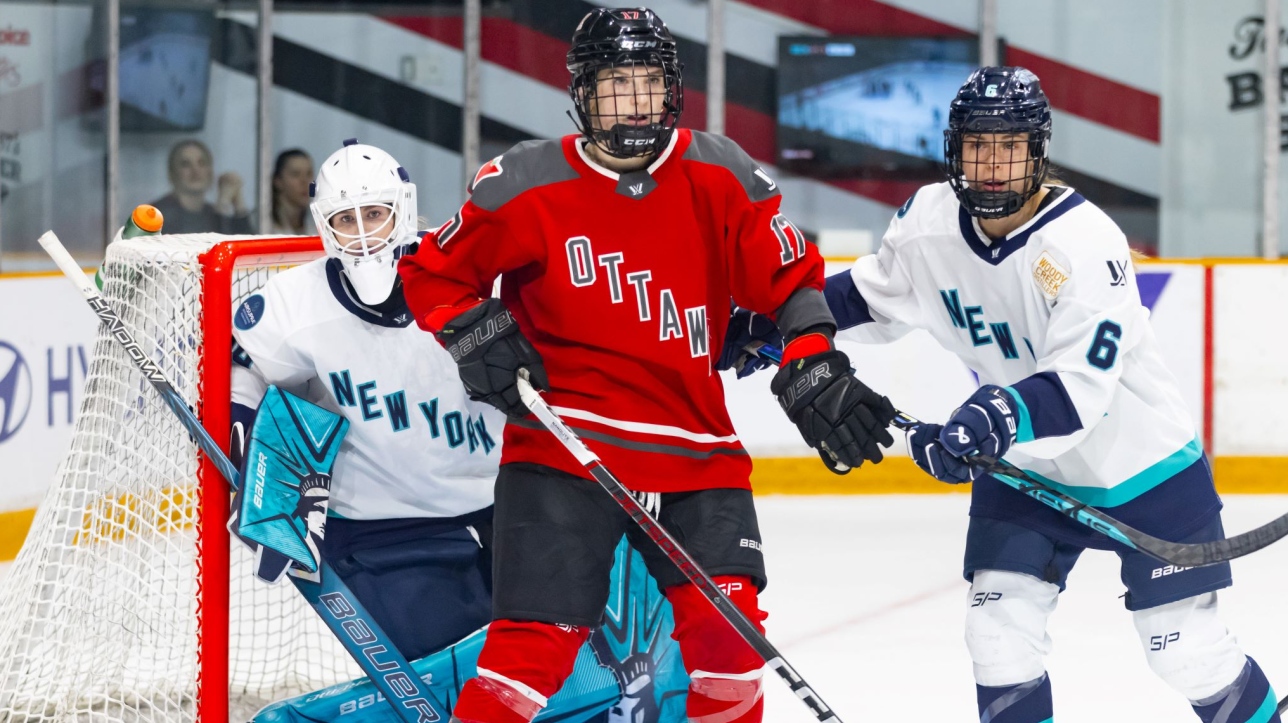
point(618, 248)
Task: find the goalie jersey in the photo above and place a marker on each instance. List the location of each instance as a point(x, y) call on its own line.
point(416, 447)
point(1051, 312)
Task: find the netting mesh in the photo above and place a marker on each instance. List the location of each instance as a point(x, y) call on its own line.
point(99, 615)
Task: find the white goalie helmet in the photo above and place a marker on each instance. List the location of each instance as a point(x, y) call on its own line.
point(356, 177)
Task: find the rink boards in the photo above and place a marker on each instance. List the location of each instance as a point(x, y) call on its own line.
point(1216, 322)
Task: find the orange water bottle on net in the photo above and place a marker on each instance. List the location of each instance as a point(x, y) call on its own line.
point(146, 220)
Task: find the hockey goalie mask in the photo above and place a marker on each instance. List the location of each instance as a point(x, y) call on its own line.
point(364, 206)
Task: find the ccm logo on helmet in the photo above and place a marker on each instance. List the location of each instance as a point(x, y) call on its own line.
point(638, 44)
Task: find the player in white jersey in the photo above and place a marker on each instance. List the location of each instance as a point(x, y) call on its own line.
point(410, 515)
point(1032, 287)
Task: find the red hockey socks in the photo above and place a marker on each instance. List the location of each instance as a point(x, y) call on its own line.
point(725, 671)
point(521, 665)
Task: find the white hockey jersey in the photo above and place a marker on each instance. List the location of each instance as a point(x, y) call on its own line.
point(417, 446)
point(1051, 312)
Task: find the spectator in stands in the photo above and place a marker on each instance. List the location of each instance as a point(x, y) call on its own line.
point(185, 208)
point(292, 174)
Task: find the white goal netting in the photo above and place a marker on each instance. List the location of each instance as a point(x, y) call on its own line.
point(104, 616)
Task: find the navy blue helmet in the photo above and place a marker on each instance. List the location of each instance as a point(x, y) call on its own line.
point(984, 162)
point(631, 41)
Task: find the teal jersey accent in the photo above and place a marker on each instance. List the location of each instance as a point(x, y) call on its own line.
point(1135, 486)
point(1024, 422)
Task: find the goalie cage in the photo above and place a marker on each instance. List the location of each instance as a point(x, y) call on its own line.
point(128, 602)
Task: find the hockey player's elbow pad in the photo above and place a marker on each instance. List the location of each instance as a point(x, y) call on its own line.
point(489, 349)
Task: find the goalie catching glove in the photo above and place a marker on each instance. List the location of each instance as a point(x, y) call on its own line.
point(838, 415)
point(489, 348)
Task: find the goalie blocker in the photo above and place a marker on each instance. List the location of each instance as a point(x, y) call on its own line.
point(443, 564)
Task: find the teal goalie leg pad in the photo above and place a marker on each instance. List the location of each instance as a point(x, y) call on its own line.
point(630, 669)
point(280, 509)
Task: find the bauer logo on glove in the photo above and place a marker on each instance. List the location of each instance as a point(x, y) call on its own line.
point(986, 424)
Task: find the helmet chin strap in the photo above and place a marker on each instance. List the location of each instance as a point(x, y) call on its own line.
point(623, 141)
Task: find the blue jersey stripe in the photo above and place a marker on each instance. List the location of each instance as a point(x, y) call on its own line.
point(1045, 406)
point(845, 301)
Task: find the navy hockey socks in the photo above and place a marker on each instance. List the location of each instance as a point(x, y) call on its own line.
point(1024, 703)
point(1249, 699)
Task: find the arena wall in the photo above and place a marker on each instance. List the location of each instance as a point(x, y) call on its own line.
point(1210, 318)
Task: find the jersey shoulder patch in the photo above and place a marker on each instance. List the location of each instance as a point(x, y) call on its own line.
point(903, 210)
point(1050, 275)
point(249, 313)
point(528, 165)
point(720, 151)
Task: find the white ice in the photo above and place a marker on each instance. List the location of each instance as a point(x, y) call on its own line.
point(866, 600)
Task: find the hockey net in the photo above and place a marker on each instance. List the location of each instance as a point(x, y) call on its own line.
point(128, 601)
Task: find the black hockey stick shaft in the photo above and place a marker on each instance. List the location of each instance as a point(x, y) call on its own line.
point(329, 596)
point(1183, 554)
point(692, 571)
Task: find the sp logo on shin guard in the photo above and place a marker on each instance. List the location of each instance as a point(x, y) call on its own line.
point(983, 598)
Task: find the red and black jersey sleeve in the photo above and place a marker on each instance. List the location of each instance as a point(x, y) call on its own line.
point(769, 260)
point(458, 263)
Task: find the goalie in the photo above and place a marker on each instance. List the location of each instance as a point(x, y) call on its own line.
point(410, 508)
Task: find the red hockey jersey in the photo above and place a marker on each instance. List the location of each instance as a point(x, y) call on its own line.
point(623, 284)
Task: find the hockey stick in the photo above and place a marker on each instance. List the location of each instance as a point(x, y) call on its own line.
point(1182, 554)
point(673, 550)
point(329, 596)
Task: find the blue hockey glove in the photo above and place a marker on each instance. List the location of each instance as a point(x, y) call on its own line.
point(986, 424)
point(747, 332)
point(930, 455)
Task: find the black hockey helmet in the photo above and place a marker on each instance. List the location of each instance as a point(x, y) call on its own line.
point(631, 39)
point(998, 100)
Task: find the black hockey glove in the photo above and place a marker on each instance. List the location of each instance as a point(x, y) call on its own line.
point(490, 350)
point(837, 414)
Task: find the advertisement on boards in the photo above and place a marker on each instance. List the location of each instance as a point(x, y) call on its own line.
point(44, 356)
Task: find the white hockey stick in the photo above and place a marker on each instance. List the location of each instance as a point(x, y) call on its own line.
point(329, 596)
point(677, 554)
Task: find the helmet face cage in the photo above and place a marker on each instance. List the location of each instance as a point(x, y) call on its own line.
point(364, 241)
point(360, 177)
point(999, 130)
point(1001, 157)
point(625, 68)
